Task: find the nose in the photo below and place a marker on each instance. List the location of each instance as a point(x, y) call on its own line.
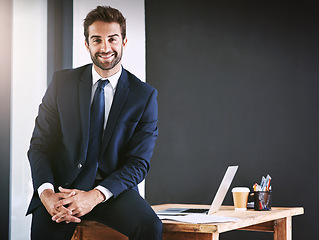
point(105, 46)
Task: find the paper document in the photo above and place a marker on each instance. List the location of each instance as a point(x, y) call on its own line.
point(199, 218)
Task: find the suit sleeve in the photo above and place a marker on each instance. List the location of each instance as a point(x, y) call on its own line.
point(44, 137)
point(139, 151)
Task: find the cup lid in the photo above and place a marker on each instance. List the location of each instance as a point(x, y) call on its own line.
point(240, 189)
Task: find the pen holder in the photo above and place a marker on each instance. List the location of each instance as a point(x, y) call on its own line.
point(262, 201)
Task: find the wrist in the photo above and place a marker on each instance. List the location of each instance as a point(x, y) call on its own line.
point(107, 194)
point(46, 193)
point(44, 186)
point(99, 196)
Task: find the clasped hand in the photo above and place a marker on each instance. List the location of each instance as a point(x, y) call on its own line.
point(70, 204)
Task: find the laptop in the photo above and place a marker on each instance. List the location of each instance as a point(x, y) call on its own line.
point(217, 202)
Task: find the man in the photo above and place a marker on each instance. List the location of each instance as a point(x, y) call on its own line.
point(92, 143)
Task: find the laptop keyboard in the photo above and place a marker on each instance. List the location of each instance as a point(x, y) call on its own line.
point(195, 210)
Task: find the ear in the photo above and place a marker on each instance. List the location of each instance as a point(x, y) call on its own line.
point(124, 42)
point(87, 45)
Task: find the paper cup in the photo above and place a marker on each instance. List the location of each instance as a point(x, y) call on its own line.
point(240, 197)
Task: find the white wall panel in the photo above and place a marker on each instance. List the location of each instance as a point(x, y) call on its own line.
point(28, 86)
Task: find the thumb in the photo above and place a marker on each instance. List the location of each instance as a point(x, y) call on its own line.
point(71, 192)
point(64, 190)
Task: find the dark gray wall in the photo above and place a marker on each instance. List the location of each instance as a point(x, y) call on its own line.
point(60, 36)
point(238, 84)
point(5, 101)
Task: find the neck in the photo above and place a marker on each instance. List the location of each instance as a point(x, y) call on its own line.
point(107, 73)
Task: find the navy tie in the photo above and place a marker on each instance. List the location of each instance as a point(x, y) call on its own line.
point(88, 172)
point(97, 121)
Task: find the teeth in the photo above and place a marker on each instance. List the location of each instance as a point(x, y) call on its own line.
point(106, 56)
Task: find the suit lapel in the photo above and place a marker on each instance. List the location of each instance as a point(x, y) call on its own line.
point(120, 96)
point(85, 88)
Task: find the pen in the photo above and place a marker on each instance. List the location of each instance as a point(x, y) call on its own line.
point(269, 180)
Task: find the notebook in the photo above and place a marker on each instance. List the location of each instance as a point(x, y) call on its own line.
point(218, 199)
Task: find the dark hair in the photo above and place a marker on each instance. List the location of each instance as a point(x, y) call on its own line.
point(104, 14)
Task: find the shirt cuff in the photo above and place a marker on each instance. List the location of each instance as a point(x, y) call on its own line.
point(45, 186)
point(107, 194)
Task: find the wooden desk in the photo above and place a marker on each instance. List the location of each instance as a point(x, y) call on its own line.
point(278, 220)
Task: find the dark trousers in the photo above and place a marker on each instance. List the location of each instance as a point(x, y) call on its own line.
point(129, 214)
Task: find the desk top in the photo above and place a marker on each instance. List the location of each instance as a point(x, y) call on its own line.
point(247, 218)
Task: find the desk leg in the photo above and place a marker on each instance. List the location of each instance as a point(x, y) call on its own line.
point(215, 236)
point(282, 229)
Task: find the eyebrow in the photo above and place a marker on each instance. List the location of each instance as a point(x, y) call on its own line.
point(98, 36)
point(95, 36)
point(114, 35)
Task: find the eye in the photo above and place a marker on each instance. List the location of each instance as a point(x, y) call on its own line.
point(96, 40)
point(113, 40)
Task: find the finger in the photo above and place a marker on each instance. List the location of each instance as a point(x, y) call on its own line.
point(64, 195)
point(67, 193)
point(66, 218)
point(65, 190)
point(59, 217)
point(55, 210)
point(74, 219)
point(64, 202)
point(62, 210)
point(52, 210)
point(59, 220)
point(75, 209)
point(76, 213)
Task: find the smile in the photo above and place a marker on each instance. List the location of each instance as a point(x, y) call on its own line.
point(106, 56)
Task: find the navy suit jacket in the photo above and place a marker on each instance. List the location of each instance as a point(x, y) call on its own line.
point(60, 139)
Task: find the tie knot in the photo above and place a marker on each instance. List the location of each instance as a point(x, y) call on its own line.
point(102, 83)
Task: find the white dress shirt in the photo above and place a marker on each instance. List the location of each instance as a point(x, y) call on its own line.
point(109, 92)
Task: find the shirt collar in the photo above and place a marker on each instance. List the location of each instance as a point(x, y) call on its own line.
point(113, 79)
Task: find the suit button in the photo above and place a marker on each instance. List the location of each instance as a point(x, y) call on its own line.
point(66, 184)
point(80, 166)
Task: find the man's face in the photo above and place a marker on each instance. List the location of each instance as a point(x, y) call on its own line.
point(105, 45)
